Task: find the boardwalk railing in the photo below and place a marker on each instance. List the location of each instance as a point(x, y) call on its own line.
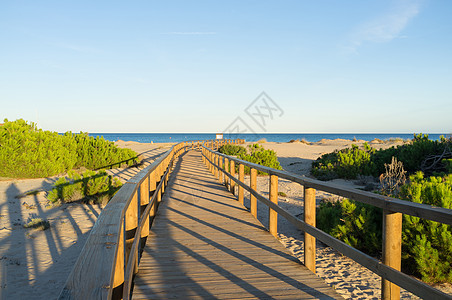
point(224, 168)
point(111, 254)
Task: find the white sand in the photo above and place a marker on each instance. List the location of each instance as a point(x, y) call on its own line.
point(35, 264)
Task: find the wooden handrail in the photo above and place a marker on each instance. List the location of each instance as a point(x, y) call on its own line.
point(110, 256)
point(392, 278)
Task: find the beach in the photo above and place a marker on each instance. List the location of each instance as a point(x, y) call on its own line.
point(37, 263)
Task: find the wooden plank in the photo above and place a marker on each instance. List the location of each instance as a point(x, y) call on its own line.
point(211, 247)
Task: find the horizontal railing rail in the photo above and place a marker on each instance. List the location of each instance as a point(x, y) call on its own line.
point(110, 257)
point(224, 168)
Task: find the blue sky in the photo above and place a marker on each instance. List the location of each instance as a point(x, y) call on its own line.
point(195, 66)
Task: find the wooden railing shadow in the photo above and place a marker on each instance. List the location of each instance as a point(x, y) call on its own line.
point(224, 168)
point(20, 243)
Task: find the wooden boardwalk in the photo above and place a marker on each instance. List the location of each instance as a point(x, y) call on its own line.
point(205, 244)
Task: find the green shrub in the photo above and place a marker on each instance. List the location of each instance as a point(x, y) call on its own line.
point(98, 153)
point(29, 152)
point(427, 245)
point(355, 223)
point(258, 155)
point(89, 185)
point(350, 162)
point(448, 164)
point(38, 223)
point(346, 163)
point(233, 150)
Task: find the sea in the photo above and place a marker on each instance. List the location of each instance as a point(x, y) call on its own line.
point(254, 137)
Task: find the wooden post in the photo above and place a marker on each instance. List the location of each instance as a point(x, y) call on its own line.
point(212, 168)
point(253, 185)
point(118, 279)
point(131, 221)
point(273, 215)
point(220, 166)
point(309, 218)
point(144, 199)
point(216, 163)
point(232, 186)
point(162, 179)
point(226, 168)
point(392, 251)
point(152, 187)
point(242, 179)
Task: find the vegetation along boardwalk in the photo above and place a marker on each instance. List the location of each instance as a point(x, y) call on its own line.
point(205, 244)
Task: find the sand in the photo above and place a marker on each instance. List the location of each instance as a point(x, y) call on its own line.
point(35, 264)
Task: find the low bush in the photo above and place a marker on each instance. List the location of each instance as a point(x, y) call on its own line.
point(91, 185)
point(233, 150)
point(426, 245)
point(355, 223)
point(38, 223)
point(258, 155)
point(346, 163)
point(29, 152)
point(350, 162)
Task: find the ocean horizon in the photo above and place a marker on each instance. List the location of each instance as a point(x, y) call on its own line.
point(254, 137)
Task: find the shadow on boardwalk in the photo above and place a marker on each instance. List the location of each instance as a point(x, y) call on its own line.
point(204, 244)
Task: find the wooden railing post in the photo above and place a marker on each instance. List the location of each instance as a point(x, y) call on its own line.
point(118, 276)
point(392, 251)
point(253, 185)
point(226, 168)
point(152, 188)
point(242, 179)
point(131, 221)
point(162, 178)
point(144, 199)
point(273, 215)
point(216, 163)
point(232, 186)
point(212, 159)
point(309, 218)
point(220, 166)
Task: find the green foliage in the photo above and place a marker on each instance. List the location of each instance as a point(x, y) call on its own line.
point(233, 150)
point(89, 185)
point(350, 162)
point(427, 245)
point(355, 223)
point(346, 163)
point(448, 165)
point(38, 223)
point(258, 155)
point(29, 152)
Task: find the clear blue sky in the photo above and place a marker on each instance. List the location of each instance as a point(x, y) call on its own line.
point(194, 66)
